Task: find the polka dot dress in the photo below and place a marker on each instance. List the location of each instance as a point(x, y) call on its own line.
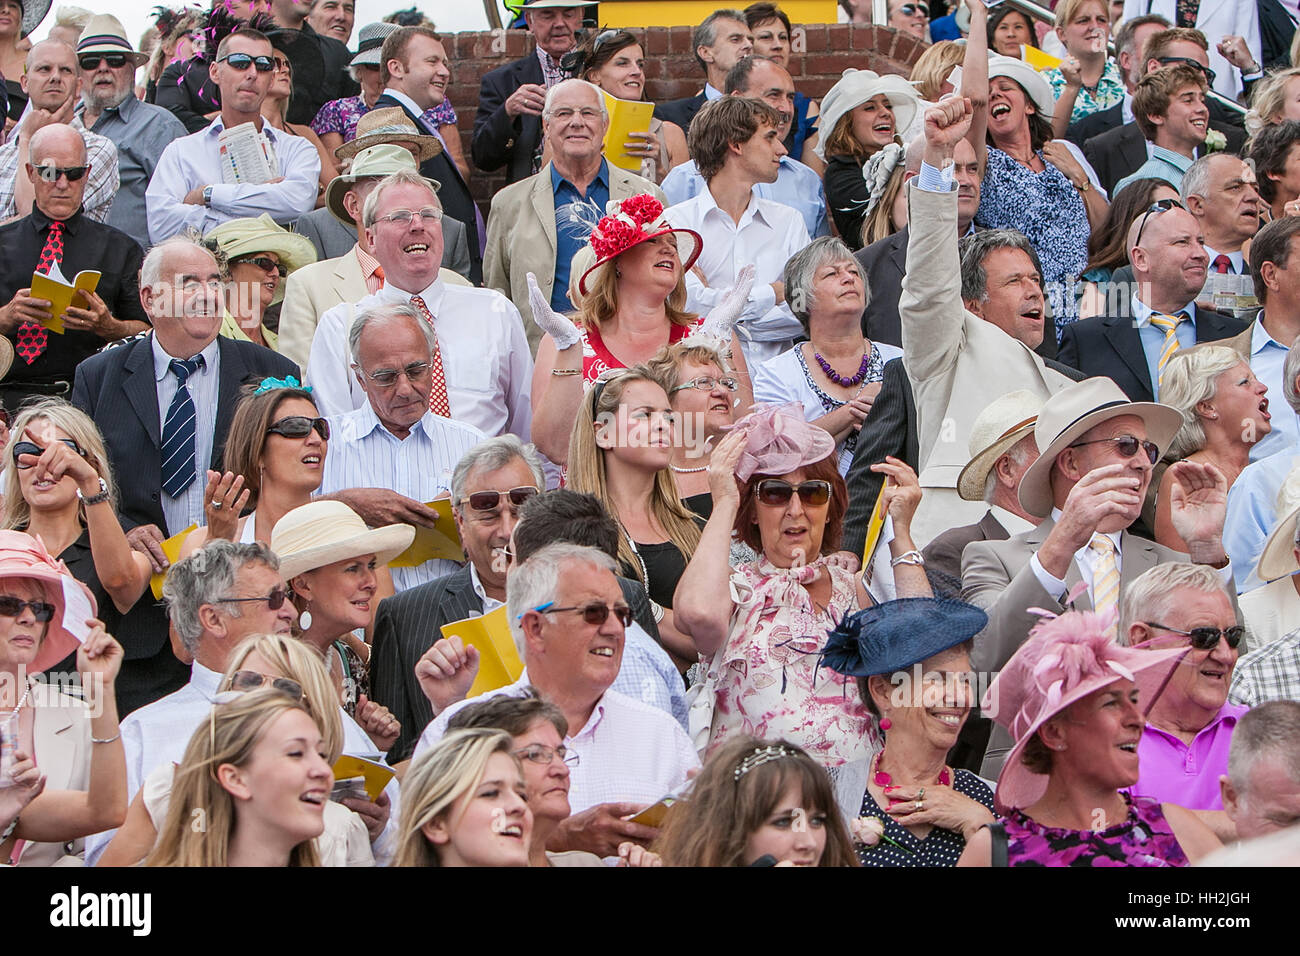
point(939, 848)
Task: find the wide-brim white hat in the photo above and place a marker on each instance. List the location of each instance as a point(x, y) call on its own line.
point(854, 88)
point(1031, 81)
point(322, 532)
point(1277, 560)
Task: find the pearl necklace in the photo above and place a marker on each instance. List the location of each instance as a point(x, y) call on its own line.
point(22, 702)
point(689, 471)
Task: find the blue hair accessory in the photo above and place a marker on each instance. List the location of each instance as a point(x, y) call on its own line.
point(267, 384)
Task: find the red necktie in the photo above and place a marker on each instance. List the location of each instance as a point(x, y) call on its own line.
point(33, 337)
point(438, 403)
point(1222, 264)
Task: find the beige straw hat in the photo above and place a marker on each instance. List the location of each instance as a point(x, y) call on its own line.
point(323, 532)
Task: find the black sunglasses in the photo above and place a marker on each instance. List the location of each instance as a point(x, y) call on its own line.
point(11, 606)
point(775, 491)
point(265, 263)
point(1167, 60)
point(91, 61)
point(594, 614)
point(1127, 445)
point(242, 61)
point(1160, 205)
point(300, 426)
point(51, 174)
point(909, 9)
point(275, 600)
point(31, 448)
point(487, 500)
point(252, 680)
point(1206, 638)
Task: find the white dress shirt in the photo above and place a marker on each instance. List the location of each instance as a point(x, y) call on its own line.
point(796, 186)
point(204, 385)
point(766, 237)
point(365, 454)
point(628, 751)
point(485, 356)
point(195, 160)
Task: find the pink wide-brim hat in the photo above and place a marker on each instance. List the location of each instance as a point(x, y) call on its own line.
point(25, 556)
point(630, 222)
point(779, 440)
point(1065, 659)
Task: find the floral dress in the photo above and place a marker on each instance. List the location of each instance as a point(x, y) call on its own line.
point(767, 680)
point(1108, 91)
point(340, 116)
point(1142, 839)
point(1050, 212)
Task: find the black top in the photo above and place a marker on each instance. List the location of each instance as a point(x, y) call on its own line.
point(701, 504)
point(846, 198)
point(184, 88)
point(86, 245)
point(82, 565)
point(17, 99)
point(939, 848)
point(664, 565)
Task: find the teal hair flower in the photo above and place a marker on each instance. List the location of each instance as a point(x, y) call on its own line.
point(267, 384)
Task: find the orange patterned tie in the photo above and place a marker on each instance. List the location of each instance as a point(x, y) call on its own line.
point(438, 403)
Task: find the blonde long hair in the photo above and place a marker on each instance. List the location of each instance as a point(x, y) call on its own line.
point(587, 468)
point(600, 304)
point(77, 425)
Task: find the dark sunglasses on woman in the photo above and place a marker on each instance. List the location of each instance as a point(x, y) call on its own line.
point(11, 606)
point(776, 491)
point(265, 263)
point(252, 680)
point(300, 426)
point(31, 448)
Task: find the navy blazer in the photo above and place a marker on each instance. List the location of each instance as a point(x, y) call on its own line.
point(681, 112)
point(499, 139)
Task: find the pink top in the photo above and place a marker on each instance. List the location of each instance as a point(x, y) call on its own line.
point(768, 682)
point(1173, 772)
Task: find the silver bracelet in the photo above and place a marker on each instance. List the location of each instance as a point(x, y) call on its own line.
point(106, 740)
point(907, 557)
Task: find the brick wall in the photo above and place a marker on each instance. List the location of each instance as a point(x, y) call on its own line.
point(821, 54)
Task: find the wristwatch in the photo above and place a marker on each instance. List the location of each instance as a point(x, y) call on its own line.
point(95, 499)
point(207, 195)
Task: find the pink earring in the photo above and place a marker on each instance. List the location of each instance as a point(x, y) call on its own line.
point(885, 723)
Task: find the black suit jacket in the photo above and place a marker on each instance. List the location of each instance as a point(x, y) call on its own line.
point(680, 112)
point(1094, 124)
point(884, 263)
point(500, 140)
point(408, 624)
point(943, 554)
point(453, 192)
point(1119, 151)
point(1110, 345)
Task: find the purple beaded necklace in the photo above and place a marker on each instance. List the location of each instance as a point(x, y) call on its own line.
point(839, 379)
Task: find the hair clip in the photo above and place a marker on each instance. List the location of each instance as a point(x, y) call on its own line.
point(269, 384)
point(761, 755)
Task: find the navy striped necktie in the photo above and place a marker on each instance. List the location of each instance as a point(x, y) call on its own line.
point(178, 431)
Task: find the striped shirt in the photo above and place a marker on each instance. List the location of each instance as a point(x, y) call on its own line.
point(365, 454)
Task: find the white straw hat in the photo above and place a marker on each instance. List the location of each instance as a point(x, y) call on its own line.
point(323, 532)
point(1003, 422)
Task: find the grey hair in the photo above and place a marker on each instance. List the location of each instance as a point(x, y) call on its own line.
point(1019, 454)
point(392, 310)
point(403, 177)
point(706, 35)
point(1192, 377)
point(1290, 372)
point(1154, 595)
point(535, 582)
point(802, 267)
point(151, 269)
point(492, 454)
point(569, 84)
point(1270, 730)
point(1196, 181)
point(203, 578)
point(975, 249)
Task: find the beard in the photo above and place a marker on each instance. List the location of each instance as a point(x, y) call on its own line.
point(100, 100)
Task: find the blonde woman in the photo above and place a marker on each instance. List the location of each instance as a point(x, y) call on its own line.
point(1225, 411)
point(257, 776)
point(1276, 98)
point(931, 70)
point(621, 449)
point(464, 803)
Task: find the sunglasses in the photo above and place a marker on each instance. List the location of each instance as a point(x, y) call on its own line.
point(488, 500)
point(242, 61)
point(91, 61)
point(1159, 206)
point(11, 606)
point(1167, 60)
point(31, 448)
point(51, 174)
point(300, 426)
point(1127, 446)
point(275, 600)
point(252, 680)
point(775, 491)
point(264, 263)
point(282, 64)
point(910, 9)
point(593, 614)
point(1206, 638)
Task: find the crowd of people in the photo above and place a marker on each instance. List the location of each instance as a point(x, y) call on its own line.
point(906, 475)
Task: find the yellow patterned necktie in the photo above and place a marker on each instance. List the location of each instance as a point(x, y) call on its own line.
point(1105, 580)
point(1169, 323)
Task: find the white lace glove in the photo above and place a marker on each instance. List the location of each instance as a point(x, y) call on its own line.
point(561, 330)
point(721, 320)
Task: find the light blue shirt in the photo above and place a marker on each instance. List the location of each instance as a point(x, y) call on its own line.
point(365, 454)
point(796, 186)
point(204, 385)
point(1164, 164)
point(1267, 356)
point(1153, 337)
point(1252, 513)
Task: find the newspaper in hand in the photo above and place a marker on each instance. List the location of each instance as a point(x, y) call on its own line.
point(247, 155)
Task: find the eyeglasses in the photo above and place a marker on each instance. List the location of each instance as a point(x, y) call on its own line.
point(593, 614)
point(1206, 638)
point(706, 383)
point(300, 426)
point(31, 448)
point(265, 263)
point(242, 61)
point(541, 754)
point(11, 606)
point(51, 174)
point(251, 680)
point(488, 500)
point(404, 216)
point(91, 61)
point(1167, 60)
point(275, 600)
point(387, 377)
point(775, 491)
point(566, 113)
point(1127, 446)
point(1160, 205)
point(910, 9)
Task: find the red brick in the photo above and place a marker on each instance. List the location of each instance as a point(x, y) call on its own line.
point(838, 37)
point(826, 64)
point(680, 40)
point(815, 38)
point(656, 41)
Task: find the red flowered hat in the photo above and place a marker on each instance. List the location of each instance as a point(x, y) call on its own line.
point(631, 221)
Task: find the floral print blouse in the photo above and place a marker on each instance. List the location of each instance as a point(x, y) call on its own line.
point(340, 116)
point(1108, 92)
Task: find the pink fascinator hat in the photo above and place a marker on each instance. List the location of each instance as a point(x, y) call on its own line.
point(1065, 659)
point(23, 556)
point(778, 441)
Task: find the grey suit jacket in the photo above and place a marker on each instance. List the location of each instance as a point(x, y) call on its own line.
point(332, 238)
